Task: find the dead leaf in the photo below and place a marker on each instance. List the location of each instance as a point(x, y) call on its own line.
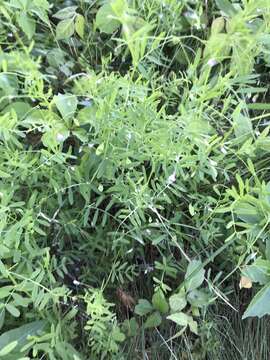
point(126, 299)
point(245, 283)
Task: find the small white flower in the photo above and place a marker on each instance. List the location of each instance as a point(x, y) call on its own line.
point(148, 269)
point(60, 137)
point(223, 150)
point(254, 99)
point(212, 62)
point(172, 178)
point(76, 282)
point(191, 15)
point(129, 136)
point(90, 146)
point(86, 102)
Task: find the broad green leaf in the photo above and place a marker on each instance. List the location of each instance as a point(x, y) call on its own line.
point(179, 318)
point(242, 126)
point(153, 320)
point(217, 25)
point(260, 304)
point(193, 325)
point(57, 135)
point(21, 333)
point(119, 7)
point(218, 47)
point(105, 19)
point(5, 291)
point(65, 13)
point(9, 83)
point(198, 298)
point(79, 25)
point(65, 29)
point(117, 335)
point(130, 327)
point(43, 4)
point(226, 6)
point(8, 348)
point(18, 4)
point(66, 104)
point(194, 275)
point(143, 307)
point(87, 115)
point(259, 271)
point(247, 212)
point(159, 302)
point(21, 108)
point(177, 302)
point(42, 14)
point(27, 24)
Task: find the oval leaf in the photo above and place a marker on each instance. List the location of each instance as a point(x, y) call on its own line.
point(79, 25)
point(8, 348)
point(13, 310)
point(177, 302)
point(65, 29)
point(194, 275)
point(65, 13)
point(260, 304)
point(105, 19)
point(226, 6)
point(153, 320)
point(159, 302)
point(27, 24)
point(143, 307)
point(66, 104)
point(179, 318)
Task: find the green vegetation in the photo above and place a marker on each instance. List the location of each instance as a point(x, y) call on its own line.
point(134, 179)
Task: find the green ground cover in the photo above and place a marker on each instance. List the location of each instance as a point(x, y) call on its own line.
point(134, 179)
